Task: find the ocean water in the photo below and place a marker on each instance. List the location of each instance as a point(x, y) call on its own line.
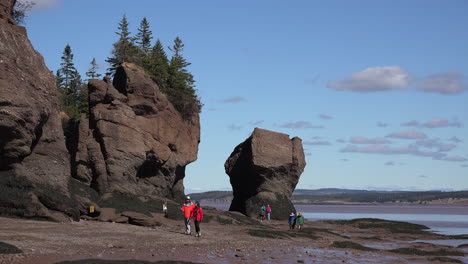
point(448, 220)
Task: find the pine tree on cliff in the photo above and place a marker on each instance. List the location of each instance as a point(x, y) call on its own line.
point(124, 49)
point(180, 84)
point(144, 36)
point(92, 71)
point(72, 90)
point(159, 65)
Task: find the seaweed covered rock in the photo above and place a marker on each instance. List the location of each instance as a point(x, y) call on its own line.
point(135, 141)
point(265, 169)
point(34, 162)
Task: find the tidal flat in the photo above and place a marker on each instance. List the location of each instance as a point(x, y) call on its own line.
point(227, 240)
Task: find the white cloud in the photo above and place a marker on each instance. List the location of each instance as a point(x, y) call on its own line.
point(325, 116)
point(455, 159)
point(299, 124)
point(374, 79)
point(387, 150)
point(384, 78)
point(412, 123)
point(382, 124)
point(438, 122)
point(410, 134)
point(317, 143)
point(364, 140)
point(234, 99)
point(444, 83)
point(455, 139)
point(435, 143)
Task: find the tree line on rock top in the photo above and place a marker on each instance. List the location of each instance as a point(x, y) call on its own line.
point(172, 76)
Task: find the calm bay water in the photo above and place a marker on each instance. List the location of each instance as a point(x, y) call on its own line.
point(449, 220)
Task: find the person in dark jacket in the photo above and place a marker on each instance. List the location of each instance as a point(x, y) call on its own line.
point(197, 216)
point(292, 221)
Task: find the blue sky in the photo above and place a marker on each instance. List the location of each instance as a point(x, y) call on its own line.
point(377, 90)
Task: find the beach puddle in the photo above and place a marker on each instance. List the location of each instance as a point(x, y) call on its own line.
point(444, 242)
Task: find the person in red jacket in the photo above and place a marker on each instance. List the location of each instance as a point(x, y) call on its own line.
point(187, 209)
point(197, 216)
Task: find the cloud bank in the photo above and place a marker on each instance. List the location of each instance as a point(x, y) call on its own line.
point(317, 143)
point(374, 79)
point(409, 134)
point(443, 83)
point(433, 123)
point(364, 140)
point(299, 125)
point(384, 78)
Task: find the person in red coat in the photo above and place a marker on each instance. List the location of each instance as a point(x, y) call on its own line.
point(197, 216)
point(187, 209)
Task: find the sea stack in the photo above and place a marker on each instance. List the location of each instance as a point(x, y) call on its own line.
point(135, 141)
point(265, 169)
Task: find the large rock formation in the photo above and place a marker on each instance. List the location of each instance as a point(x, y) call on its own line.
point(135, 141)
point(265, 169)
point(34, 162)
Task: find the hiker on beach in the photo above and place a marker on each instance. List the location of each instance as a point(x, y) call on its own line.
point(262, 213)
point(268, 211)
point(300, 220)
point(197, 216)
point(165, 209)
point(187, 209)
point(292, 221)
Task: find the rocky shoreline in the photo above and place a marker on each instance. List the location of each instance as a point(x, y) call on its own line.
point(229, 238)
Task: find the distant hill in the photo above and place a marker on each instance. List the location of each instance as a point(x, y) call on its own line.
point(345, 196)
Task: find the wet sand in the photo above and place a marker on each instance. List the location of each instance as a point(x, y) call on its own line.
point(47, 242)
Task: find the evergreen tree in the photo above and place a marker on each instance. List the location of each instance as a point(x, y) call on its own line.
point(144, 36)
point(180, 85)
point(92, 71)
point(159, 64)
point(73, 93)
point(123, 48)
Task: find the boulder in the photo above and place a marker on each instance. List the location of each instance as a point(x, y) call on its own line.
point(265, 169)
point(135, 141)
point(33, 153)
point(141, 219)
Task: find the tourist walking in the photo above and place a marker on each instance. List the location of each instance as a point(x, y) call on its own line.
point(268, 211)
point(262, 213)
point(165, 209)
point(300, 220)
point(187, 209)
point(197, 216)
point(292, 220)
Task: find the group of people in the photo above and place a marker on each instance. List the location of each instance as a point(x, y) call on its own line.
point(192, 211)
point(265, 210)
point(294, 221)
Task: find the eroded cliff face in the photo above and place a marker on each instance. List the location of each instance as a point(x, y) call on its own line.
point(265, 169)
point(33, 156)
point(135, 141)
point(130, 154)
